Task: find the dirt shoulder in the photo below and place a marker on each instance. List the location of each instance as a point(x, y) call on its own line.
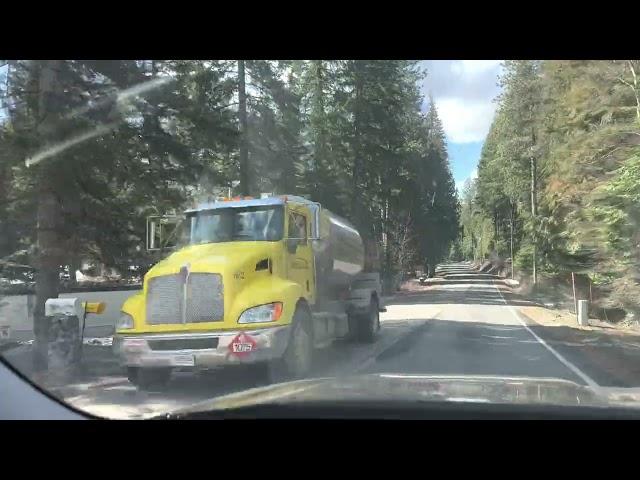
point(609, 354)
point(556, 317)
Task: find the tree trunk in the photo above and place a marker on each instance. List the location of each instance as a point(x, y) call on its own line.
point(386, 235)
point(5, 183)
point(50, 254)
point(635, 86)
point(473, 246)
point(242, 116)
point(534, 186)
point(534, 211)
point(49, 259)
point(5, 242)
point(318, 114)
point(356, 172)
point(511, 212)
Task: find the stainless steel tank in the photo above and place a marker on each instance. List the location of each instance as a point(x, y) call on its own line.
point(339, 253)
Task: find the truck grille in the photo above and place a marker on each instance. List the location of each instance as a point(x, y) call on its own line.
point(204, 298)
point(166, 299)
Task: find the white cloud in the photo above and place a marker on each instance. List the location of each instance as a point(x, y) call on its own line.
point(463, 91)
point(473, 67)
point(465, 121)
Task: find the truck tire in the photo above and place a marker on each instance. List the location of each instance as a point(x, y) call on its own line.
point(368, 324)
point(148, 378)
point(298, 356)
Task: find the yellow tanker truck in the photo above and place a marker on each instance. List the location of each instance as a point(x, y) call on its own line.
point(256, 281)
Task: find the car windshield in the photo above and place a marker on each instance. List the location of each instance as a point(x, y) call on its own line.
point(173, 231)
point(229, 224)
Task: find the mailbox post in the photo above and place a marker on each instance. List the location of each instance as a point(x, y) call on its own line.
point(66, 330)
point(65, 343)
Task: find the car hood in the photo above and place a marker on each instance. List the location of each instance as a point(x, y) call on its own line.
point(419, 388)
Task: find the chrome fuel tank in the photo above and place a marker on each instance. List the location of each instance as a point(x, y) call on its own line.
point(339, 252)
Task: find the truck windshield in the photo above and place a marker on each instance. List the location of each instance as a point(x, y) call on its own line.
point(236, 224)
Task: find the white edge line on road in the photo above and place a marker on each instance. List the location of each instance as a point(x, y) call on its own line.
point(587, 379)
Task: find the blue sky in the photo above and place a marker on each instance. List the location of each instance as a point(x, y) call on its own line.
point(464, 93)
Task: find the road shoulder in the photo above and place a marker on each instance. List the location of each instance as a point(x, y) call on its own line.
point(610, 356)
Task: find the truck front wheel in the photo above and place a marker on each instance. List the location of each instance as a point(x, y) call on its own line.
point(298, 356)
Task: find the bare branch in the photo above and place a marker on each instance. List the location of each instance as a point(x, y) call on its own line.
point(633, 72)
point(625, 82)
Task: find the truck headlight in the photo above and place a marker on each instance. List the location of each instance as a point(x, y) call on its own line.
point(125, 321)
point(263, 313)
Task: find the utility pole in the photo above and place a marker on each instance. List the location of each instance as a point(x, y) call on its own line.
point(242, 114)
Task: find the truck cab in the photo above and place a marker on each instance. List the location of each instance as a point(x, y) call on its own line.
point(258, 281)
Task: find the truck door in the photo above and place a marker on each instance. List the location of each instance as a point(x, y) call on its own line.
point(299, 253)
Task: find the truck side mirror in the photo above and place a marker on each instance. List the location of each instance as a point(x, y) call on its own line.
point(162, 232)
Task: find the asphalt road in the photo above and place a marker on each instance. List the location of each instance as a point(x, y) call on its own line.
point(476, 332)
point(462, 323)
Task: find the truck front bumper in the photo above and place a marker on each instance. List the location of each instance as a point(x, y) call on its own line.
point(200, 350)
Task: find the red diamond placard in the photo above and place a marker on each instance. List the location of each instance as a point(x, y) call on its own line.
point(242, 345)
